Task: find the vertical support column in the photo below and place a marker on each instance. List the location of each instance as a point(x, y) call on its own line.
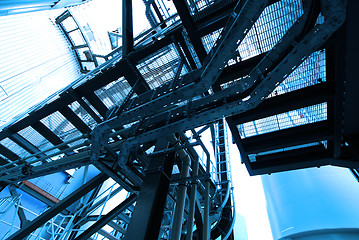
point(127, 27)
point(147, 216)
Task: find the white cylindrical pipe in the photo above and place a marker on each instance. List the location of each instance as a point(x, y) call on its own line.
point(308, 202)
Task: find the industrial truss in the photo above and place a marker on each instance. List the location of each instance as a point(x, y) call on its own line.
point(146, 140)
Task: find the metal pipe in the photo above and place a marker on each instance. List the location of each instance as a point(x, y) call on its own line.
point(149, 14)
point(190, 219)
point(181, 192)
point(206, 224)
point(49, 149)
point(180, 201)
point(174, 148)
point(233, 219)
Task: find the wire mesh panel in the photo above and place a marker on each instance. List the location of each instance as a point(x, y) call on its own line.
point(161, 67)
point(198, 5)
point(82, 114)
point(210, 39)
point(59, 125)
point(36, 139)
point(113, 93)
point(298, 117)
point(15, 148)
point(312, 71)
point(271, 25)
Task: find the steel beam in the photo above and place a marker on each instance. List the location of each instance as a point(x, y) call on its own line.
point(8, 153)
point(48, 134)
point(3, 161)
point(132, 75)
point(186, 52)
point(20, 211)
point(127, 27)
point(237, 140)
point(314, 156)
point(56, 209)
point(348, 50)
point(25, 144)
point(308, 133)
point(97, 103)
point(75, 120)
point(36, 195)
point(147, 214)
point(301, 98)
point(73, 94)
point(189, 25)
point(68, 162)
point(107, 218)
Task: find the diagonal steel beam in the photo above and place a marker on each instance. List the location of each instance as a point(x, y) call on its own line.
point(56, 209)
point(107, 218)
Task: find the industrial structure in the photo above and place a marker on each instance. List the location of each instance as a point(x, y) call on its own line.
point(121, 147)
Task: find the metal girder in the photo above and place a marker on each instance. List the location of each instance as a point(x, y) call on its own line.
point(309, 133)
point(186, 52)
point(107, 218)
point(132, 75)
point(20, 211)
point(36, 194)
point(25, 144)
point(108, 76)
point(314, 156)
point(127, 27)
point(116, 227)
point(57, 208)
point(73, 94)
point(97, 103)
point(48, 134)
point(189, 25)
point(237, 140)
point(107, 234)
point(8, 153)
point(301, 98)
point(184, 118)
point(3, 161)
point(348, 56)
point(68, 162)
point(304, 154)
point(238, 70)
point(75, 120)
point(112, 172)
point(147, 214)
point(84, 216)
point(100, 80)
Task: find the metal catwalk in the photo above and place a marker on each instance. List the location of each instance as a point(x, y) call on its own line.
point(271, 70)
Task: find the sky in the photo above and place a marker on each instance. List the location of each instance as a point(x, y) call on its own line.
point(249, 199)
